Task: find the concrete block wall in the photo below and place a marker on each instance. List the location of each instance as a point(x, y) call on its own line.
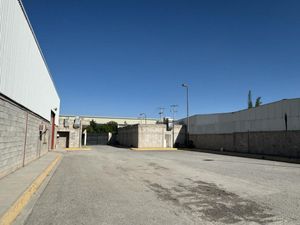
point(212, 141)
point(150, 135)
point(275, 143)
point(75, 138)
point(128, 136)
point(280, 143)
point(74, 133)
point(36, 145)
point(157, 135)
point(13, 122)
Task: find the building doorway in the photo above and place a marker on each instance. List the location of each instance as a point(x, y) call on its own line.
point(63, 139)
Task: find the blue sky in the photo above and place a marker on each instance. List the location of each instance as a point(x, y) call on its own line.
point(121, 58)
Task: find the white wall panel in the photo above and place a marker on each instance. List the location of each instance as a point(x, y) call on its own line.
point(24, 76)
point(269, 117)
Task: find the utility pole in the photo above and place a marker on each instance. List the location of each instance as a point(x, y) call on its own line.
point(145, 117)
point(187, 112)
point(173, 110)
point(161, 113)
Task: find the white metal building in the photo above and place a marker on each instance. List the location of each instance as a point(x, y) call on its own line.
point(276, 116)
point(270, 129)
point(29, 103)
point(25, 77)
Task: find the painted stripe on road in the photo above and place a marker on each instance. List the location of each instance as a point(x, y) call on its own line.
point(77, 149)
point(11, 214)
point(154, 149)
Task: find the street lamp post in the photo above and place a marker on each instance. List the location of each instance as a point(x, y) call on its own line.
point(173, 110)
point(187, 113)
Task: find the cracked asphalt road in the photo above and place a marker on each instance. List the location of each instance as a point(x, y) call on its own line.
point(111, 185)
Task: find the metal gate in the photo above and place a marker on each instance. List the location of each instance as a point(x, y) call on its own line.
point(96, 139)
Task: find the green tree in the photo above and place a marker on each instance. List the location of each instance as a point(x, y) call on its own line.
point(93, 127)
point(250, 104)
point(110, 127)
point(258, 102)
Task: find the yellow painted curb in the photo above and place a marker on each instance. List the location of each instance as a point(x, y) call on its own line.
point(11, 214)
point(154, 149)
point(77, 149)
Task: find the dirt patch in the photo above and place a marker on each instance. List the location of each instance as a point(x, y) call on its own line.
point(212, 203)
point(156, 166)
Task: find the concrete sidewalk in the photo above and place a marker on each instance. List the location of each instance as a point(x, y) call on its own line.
point(24, 182)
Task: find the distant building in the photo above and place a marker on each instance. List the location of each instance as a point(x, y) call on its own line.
point(72, 135)
point(29, 103)
point(122, 121)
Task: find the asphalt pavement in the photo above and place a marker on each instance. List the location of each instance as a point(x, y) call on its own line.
point(109, 185)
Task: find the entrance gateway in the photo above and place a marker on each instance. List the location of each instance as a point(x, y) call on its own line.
point(63, 139)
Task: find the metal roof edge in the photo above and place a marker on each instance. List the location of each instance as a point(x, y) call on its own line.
point(37, 43)
point(107, 117)
point(242, 110)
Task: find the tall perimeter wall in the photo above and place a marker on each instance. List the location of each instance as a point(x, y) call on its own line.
point(28, 96)
point(271, 129)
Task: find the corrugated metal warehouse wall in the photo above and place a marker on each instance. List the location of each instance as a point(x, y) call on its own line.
point(27, 92)
point(269, 117)
point(24, 76)
point(271, 129)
